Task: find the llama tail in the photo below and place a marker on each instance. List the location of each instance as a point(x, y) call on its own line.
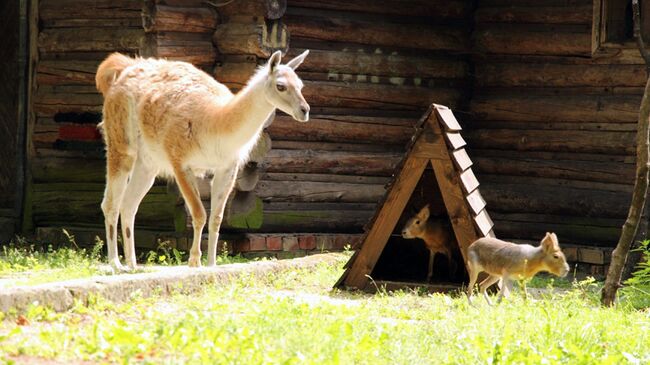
point(109, 70)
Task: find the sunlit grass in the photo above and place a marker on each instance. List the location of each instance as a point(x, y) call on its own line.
point(294, 317)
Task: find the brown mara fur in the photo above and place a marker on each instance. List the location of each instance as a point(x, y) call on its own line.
point(171, 119)
point(436, 236)
point(510, 261)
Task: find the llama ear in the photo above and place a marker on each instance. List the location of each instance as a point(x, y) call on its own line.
point(294, 63)
point(275, 59)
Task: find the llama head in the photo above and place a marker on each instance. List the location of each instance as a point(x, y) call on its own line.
point(283, 87)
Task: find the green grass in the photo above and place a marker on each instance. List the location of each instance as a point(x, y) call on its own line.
point(22, 263)
point(295, 318)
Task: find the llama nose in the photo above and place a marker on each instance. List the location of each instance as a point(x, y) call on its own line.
point(304, 109)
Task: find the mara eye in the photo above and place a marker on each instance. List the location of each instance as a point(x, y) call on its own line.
point(417, 222)
point(556, 256)
point(281, 87)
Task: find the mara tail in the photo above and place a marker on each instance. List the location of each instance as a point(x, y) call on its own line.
point(109, 70)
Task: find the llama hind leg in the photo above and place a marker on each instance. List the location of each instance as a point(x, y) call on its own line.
point(142, 179)
point(222, 185)
point(118, 170)
point(187, 185)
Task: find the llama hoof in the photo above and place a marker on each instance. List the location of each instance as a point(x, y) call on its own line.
point(194, 262)
point(117, 267)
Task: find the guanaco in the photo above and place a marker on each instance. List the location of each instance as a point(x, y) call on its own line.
point(507, 261)
point(436, 235)
point(168, 118)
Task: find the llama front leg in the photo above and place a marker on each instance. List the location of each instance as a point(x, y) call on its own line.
point(222, 185)
point(187, 185)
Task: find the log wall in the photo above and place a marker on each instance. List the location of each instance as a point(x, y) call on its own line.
point(553, 128)
point(373, 69)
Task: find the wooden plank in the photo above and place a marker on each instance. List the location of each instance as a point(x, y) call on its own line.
point(251, 38)
point(476, 201)
point(462, 160)
point(469, 181)
point(385, 222)
point(437, 9)
point(334, 162)
point(430, 145)
point(455, 140)
point(446, 116)
point(483, 222)
point(454, 199)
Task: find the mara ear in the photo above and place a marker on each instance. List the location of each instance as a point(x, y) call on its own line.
point(294, 63)
point(547, 242)
point(274, 60)
point(424, 213)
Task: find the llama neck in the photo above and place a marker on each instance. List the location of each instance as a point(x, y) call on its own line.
point(242, 119)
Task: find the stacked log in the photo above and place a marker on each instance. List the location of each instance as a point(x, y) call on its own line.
point(373, 69)
point(554, 127)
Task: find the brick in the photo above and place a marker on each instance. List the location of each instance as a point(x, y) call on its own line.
point(324, 242)
point(307, 242)
point(290, 243)
point(242, 245)
point(257, 243)
point(274, 243)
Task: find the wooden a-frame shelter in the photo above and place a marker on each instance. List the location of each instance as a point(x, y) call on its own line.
point(437, 141)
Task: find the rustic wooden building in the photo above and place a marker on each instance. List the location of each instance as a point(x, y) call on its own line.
point(547, 92)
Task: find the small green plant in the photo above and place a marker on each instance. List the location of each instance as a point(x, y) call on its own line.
point(637, 289)
point(165, 254)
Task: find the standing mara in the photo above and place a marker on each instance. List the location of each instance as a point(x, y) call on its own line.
point(164, 118)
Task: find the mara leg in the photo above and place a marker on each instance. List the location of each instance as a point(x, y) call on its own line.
point(473, 272)
point(486, 283)
point(432, 255)
point(119, 167)
point(506, 286)
point(187, 185)
point(142, 179)
point(222, 184)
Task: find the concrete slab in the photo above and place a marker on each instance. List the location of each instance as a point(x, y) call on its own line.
point(61, 296)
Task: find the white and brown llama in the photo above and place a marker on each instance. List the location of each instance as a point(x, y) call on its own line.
point(164, 118)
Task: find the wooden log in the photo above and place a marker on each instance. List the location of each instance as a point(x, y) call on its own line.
point(437, 9)
point(542, 140)
point(347, 163)
point(341, 29)
point(368, 63)
point(100, 9)
point(322, 128)
point(80, 203)
point(517, 165)
point(110, 22)
point(518, 198)
point(161, 18)
point(350, 179)
point(528, 40)
point(251, 38)
point(324, 147)
point(559, 108)
point(66, 72)
point(557, 75)
point(243, 210)
point(541, 14)
point(90, 39)
point(247, 178)
point(556, 126)
point(337, 94)
point(263, 9)
point(310, 191)
point(58, 169)
point(261, 148)
point(315, 220)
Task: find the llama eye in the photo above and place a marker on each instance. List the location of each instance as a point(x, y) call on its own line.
point(417, 222)
point(281, 87)
point(556, 256)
